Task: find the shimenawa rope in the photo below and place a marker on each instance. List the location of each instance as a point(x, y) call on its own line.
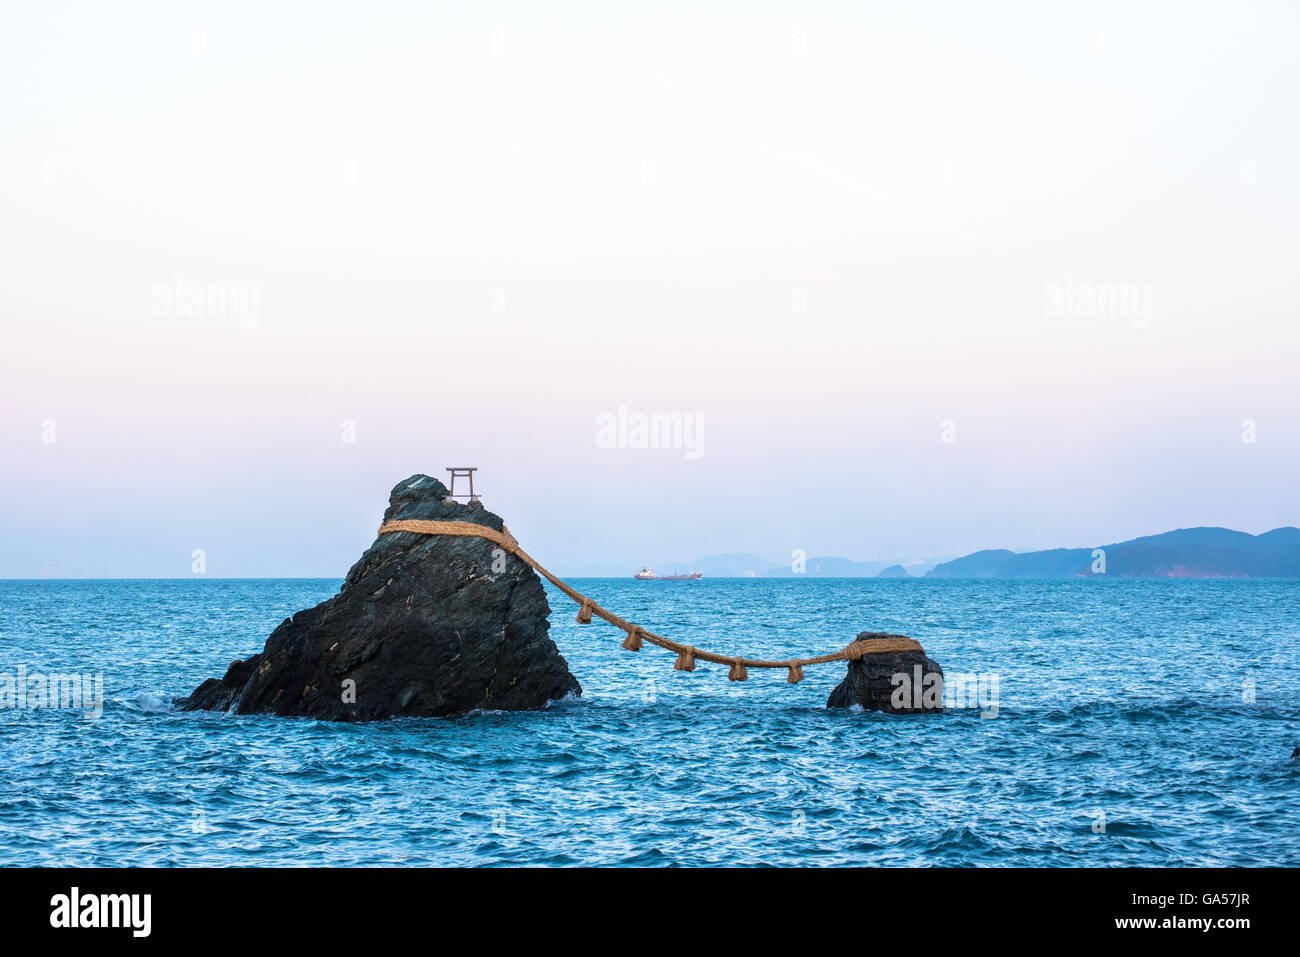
point(687, 655)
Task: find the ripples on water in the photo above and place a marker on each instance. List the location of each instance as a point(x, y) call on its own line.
point(1122, 698)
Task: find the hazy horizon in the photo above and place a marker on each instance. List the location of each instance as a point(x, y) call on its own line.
point(621, 569)
point(915, 282)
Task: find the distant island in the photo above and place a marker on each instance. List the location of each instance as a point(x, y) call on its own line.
point(894, 571)
point(1203, 552)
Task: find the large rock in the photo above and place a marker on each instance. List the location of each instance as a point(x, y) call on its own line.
point(891, 682)
point(423, 625)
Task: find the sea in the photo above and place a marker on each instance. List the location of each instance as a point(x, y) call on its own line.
point(1096, 723)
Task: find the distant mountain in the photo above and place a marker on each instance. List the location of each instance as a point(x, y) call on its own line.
point(727, 565)
point(1205, 552)
point(893, 571)
point(829, 567)
point(826, 566)
point(975, 565)
point(748, 565)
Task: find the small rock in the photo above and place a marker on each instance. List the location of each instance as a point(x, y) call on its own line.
point(897, 682)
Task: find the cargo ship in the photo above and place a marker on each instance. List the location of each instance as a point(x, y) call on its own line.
point(647, 574)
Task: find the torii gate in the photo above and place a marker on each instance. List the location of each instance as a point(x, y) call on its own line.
point(463, 471)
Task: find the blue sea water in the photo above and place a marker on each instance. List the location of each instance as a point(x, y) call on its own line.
point(1124, 735)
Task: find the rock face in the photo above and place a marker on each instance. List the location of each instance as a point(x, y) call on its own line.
point(871, 682)
point(424, 625)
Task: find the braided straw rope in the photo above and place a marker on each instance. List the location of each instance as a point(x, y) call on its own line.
point(687, 655)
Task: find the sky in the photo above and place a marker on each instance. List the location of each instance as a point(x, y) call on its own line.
point(915, 279)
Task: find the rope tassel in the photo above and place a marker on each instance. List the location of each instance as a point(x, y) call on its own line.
point(584, 613)
point(796, 675)
point(685, 660)
point(633, 640)
point(738, 672)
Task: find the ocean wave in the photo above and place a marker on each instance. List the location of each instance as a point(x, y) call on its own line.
point(148, 702)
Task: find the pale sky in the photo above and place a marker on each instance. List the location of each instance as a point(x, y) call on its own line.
point(832, 233)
